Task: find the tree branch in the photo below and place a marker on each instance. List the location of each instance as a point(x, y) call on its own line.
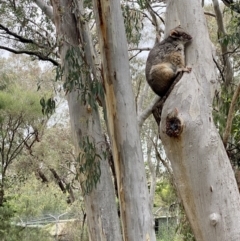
point(45, 8)
point(219, 69)
point(42, 175)
point(140, 49)
point(164, 162)
point(230, 117)
point(32, 53)
point(144, 14)
point(233, 51)
point(46, 37)
point(154, 14)
point(234, 6)
point(135, 55)
point(58, 179)
point(221, 31)
point(210, 14)
point(155, 22)
point(147, 112)
point(22, 39)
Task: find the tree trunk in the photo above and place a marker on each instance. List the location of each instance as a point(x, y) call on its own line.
point(201, 167)
point(103, 222)
point(136, 218)
point(101, 209)
point(1, 193)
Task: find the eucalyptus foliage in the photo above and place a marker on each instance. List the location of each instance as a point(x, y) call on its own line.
point(89, 164)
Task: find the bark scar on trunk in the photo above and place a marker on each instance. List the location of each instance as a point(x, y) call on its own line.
point(214, 219)
point(174, 124)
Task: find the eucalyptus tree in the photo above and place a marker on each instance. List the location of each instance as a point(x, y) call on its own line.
point(20, 123)
point(58, 31)
point(122, 123)
point(64, 24)
point(201, 167)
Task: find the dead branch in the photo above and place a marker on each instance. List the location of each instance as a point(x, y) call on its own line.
point(31, 53)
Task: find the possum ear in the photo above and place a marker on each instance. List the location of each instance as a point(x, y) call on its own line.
point(174, 33)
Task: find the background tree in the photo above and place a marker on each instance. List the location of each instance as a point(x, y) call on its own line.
point(20, 128)
point(20, 124)
point(40, 181)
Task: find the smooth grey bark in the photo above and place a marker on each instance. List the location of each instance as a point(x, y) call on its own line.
point(45, 8)
point(201, 168)
point(101, 209)
point(100, 205)
point(136, 217)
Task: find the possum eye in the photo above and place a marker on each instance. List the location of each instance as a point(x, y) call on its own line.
point(186, 36)
point(177, 35)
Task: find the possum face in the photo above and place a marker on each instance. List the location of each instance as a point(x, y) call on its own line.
point(180, 34)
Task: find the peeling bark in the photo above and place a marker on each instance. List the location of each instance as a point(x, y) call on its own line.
point(136, 218)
